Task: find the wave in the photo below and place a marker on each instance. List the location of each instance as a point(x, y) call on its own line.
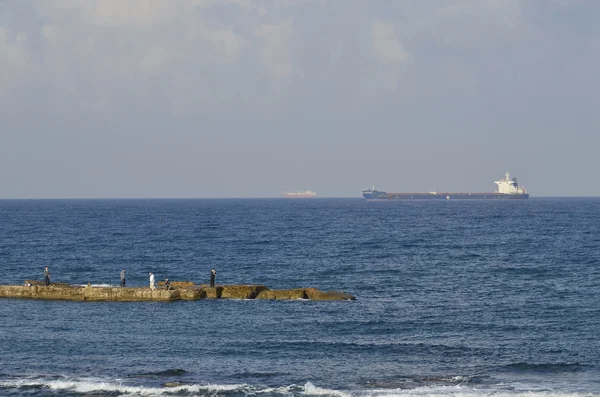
point(92, 385)
point(312, 390)
point(116, 387)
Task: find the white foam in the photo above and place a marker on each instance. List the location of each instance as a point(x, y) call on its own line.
point(313, 390)
point(96, 385)
point(277, 390)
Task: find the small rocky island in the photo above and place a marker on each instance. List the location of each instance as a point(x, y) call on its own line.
point(182, 290)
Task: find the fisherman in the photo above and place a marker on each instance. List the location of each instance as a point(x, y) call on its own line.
point(167, 284)
point(152, 281)
point(123, 281)
point(46, 276)
point(213, 274)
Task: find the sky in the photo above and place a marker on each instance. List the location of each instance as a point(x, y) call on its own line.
point(250, 98)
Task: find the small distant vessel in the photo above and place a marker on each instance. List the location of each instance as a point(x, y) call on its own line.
point(507, 189)
point(300, 194)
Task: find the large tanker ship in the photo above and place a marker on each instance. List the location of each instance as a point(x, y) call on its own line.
point(508, 189)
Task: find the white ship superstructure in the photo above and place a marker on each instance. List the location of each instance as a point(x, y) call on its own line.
point(509, 186)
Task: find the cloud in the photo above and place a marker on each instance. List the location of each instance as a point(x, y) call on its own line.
point(390, 55)
point(474, 25)
point(274, 49)
point(387, 48)
point(138, 14)
point(17, 63)
point(174, 84)
point(197, 57)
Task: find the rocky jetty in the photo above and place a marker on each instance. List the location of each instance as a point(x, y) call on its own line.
point(182, 290)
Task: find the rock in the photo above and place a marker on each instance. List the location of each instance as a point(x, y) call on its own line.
point(182, 284)
point(43, 284)
point(192, 293)
point(242, 291)
point(34, 282)
point(58, 291)
point(213, 292)
point(318, 295)
point(304, 293)
point(129, 294)
point(283, 294)
point(178, 284)
point(76, 293)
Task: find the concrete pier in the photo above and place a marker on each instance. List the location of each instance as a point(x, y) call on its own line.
point(181, 291)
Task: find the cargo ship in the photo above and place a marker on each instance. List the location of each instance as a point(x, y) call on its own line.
point(507, 189)
point(300, 194)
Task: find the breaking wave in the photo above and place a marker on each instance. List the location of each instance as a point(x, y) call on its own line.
point(118, 388)
point(102, 387)
point(313, 390)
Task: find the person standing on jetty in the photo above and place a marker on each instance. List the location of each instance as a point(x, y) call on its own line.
point(123, 281)
point(213, 274)
point(46, 276)
point(152, 281)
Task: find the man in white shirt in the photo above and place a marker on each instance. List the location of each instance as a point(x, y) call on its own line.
point(152, 281)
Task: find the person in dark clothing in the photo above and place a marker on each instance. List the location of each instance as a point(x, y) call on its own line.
point(123, 281)
point(46, 276)
point(213, 274)
point(167, 284)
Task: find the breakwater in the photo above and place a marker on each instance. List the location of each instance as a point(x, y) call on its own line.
point(179, 291)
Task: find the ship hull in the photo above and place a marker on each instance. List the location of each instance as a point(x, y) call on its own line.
point(380, 196)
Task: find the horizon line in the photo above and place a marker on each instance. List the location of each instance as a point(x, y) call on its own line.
point(239, 198)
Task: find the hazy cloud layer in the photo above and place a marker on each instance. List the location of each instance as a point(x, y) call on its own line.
point(207, 98)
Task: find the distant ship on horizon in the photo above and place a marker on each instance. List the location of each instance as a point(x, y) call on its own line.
point(300, 194)
point(508, 188)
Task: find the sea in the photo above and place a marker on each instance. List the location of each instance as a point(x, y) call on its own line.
point(453, 298)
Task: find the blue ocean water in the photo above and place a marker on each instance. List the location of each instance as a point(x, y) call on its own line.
point(454, 298)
